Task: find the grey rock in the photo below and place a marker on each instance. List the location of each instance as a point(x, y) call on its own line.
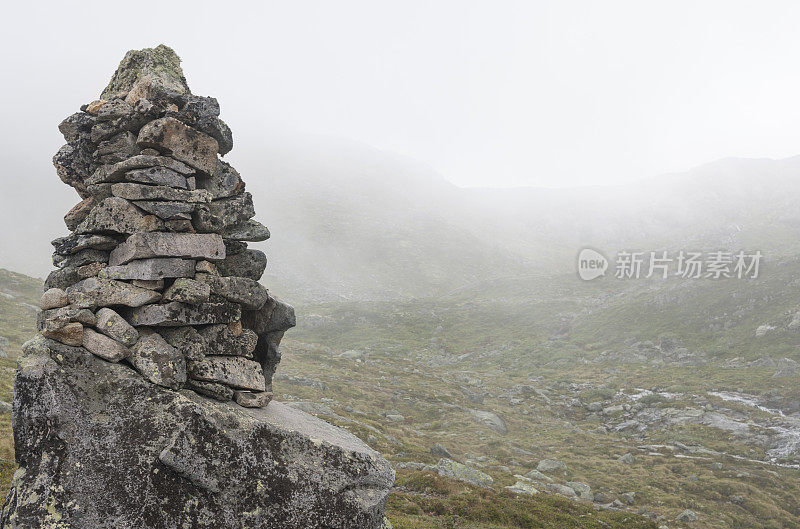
point(62, 278)
point(166, 210)
point(149, 284)
point(189, 291)
point(233, 371)
point(215, 390)
point(251, 230)
point(81, 258)
point(152, 269)
point(490, 419)
point(75, 243)
point(454, 470)
point(548, 466)
point(158, 361)
point(116, 148)
point(187, 341)
point(223, 213)
point(54, 298)
point(252, 295)
point(562, 489)
point(117, 215)
point(67, 315)
point(223, 182)
point(202, 113)
point(177, 314)
point(253, 399)
point(274, 315)
point(583, 490)
point(440, 451)
point(114, 326)
point(114, 110)
point(686, 516)
point(628, 459)
point(244, 466)
point(234, 247)
point(119, 171)
point(521, 487)
point(538, 476)
point(170, 136)
point(79, 212)
point(187, 245)
point(221, 340)
point(249, 263)
point(268, 353)
point(95, 292)
point(104, 347)
point(157, 176)
point(132, 191)
point(161, 66)
point(628, 498)
point(76, 126)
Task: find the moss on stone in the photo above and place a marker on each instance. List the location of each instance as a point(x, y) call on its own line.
point(161, 61)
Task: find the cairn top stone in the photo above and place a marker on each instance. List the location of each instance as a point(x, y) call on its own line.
point(159, 66)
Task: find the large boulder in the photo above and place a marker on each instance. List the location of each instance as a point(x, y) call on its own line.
point(99, 446)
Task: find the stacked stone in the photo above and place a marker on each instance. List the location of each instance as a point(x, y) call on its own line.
point(157, 272)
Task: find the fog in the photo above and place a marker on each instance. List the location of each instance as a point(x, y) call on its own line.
point(374, 99)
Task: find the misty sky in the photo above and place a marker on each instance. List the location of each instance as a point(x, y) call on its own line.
point(487, 93)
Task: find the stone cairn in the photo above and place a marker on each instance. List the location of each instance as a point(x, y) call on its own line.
point(156, 271)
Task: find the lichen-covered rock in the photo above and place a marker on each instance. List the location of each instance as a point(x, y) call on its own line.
point(158, 361)
point(151, 269)
point(187, 245)
point(94, 292)
point(249, 263)
point(234, 371)
point(117, 215)
point(189, 291)
point(176, 314)
point(104, 347)
point(163, 459)
point(185, 144)
point(114, 326)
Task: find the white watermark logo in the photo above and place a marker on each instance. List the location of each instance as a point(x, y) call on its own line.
point(663, 264)
point(591, 264)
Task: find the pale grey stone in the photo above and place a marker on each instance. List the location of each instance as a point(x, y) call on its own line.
point(158, 361)
point(131, 191)
point(153, 269)
point(54, 298)
point(104, 347)
point(96, 292)
point(114, 326)
point(188, 291)
point(157, 176)
point(234, 371)
point(187, 245)
point(194, 148)
point(251, 230)
point(166, 210)
point(177, 314)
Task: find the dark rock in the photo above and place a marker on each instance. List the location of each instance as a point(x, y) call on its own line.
point(249, 263)
point(77, 126)
point(75, 243)
point(62, 278)
point(81, 258)
point(186, 340)
point(253, 399)
point(189, 291)
point(117, 148)
point(224, 213)
point(162, 459)
point(202, 113)
point(74, 164)
point(67, 315)
point(250, 230)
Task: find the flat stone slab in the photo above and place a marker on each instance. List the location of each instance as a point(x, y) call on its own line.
point(251, 230)
point(177, 314)
point(157, 176)
point(116, 172)
point(234, 371)
point(130, 191)
point(252, 295)
point(161, 453)
point(96, 292)
point(182, 142)
point(151, 269)
point(166, 210)
point(186, 245)
point(75, 243)
point(185, 290)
